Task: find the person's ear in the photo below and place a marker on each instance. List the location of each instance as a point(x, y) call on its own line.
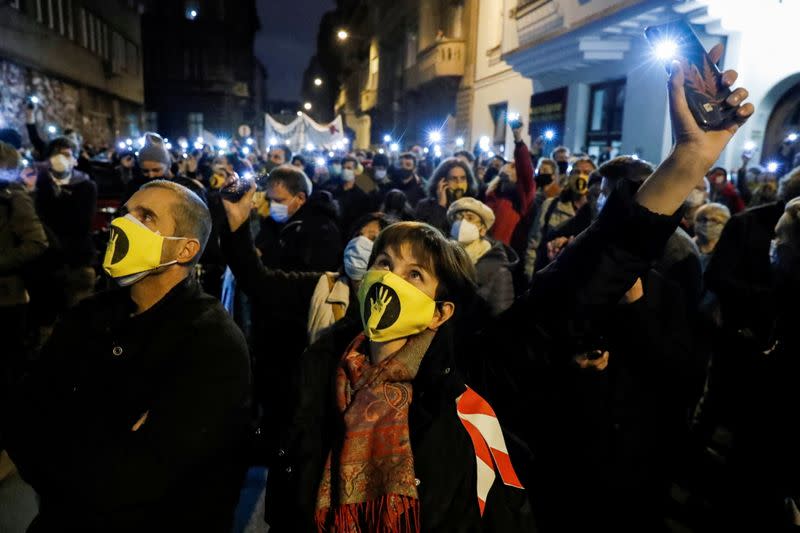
point(444, 312)
point(482, 230)
point(188, 250)
point(302, 198)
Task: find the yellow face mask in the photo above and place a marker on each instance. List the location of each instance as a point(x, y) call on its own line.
point(392, 308)
point(133, 251)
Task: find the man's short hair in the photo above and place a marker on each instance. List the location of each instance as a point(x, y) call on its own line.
point(789, 188)
point(192, 218)
point(300, 158)
point(61, 143)
point(409, 155)
point(466, 154)
point(349, 159)
point(626, 167)
point(294, 179)
point(287, 152)
point(558, 150)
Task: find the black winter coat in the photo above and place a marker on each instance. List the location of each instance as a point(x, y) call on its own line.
point(503, 362)
point(309, 241)
point(495, 276)
point(184, 363)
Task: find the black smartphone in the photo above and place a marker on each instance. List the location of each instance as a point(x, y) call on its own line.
point(705, 93)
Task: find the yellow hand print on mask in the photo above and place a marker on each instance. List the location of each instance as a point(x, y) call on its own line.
point(378, 307)
point(392, 308)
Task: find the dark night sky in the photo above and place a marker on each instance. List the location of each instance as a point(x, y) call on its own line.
point(287, 40)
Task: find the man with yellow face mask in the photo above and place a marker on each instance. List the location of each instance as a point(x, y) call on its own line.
point(134, 419)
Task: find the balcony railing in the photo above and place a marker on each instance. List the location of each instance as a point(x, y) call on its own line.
point(444, 58)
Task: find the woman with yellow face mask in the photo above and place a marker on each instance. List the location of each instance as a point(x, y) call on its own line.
point(395, 421)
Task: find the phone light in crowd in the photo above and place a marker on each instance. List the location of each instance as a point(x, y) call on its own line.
point(245, 150)
point(635, 157)
point(183, 143)
point(122, 145)
point(460, 141)
point(425, 150)
point(168, 146)
point(307, 106)
point(437, 151)
point(792, 137)
point(772, 167)
point(140, 142)
point(191, 14)
point(222, 144)
point(273, 141)
point(387, 138)
point(381, 151)
point(394, 147)
point(136, 153)
point(549, 135)
point(483, 143)
point(221, 153)
point(511, 117)
point(250, 141)
point(750, 146)
point(318, 82)
point(320, 161)
point(435, 136)
point(129, 142)
point(310, 147)
point(331, 153)
point(342, 35)
point(490, 155)
point(666, 49)
point(299, 113)
point(51, 129)
point(34, 99)
point(502, 148)
point(24, 163)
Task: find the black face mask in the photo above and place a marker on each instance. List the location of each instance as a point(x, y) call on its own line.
point(403, 174)
point(562, 167)
point(490, 174)
point(543, 180)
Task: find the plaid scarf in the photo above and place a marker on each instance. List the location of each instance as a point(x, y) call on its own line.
point(369, 483)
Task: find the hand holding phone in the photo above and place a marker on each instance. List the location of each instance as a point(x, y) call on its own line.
point(706, 94)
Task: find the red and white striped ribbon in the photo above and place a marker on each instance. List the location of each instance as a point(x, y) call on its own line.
point(481, 423)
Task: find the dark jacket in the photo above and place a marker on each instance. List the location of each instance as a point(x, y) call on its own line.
point(67, 212)
point(184, 363)
point(309, 241)
point(740, 273)
point(414, 189)
point(502, 362)
point(429, 211)
point(22, 239)
point(353, 204)
point(495, 277)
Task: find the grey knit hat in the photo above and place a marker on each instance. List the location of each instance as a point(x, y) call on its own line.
point(154, 150)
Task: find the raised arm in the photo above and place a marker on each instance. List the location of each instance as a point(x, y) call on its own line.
point(526, 187)
point(695, 150)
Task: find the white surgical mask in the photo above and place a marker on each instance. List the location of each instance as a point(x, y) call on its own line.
point(356, 257)
point(708, 230)
point(279, 212)
point(465, 232)
point(380, 174)
point(62, 164)
point(336, 169)
point(348, 174)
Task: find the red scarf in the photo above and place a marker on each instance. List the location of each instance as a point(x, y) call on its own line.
point(374, 488)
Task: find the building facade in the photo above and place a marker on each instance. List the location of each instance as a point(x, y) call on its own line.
point(80, 58)
point(597, 84)
point(201, 73)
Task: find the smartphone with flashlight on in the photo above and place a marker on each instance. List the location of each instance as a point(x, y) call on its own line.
point(513, 121)
point(705, 92)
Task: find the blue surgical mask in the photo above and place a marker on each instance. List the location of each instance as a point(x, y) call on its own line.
point(279, 212)
point(348, 174)
point(356, 257)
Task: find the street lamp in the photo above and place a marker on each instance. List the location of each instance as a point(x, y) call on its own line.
point(342, 35)
point(51, 130)
point(318, 82)
point(307, 106)
point(435, 136)
point(299, 113)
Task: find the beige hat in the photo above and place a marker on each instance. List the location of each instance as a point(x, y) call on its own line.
point(9, 157)
point(474, 206)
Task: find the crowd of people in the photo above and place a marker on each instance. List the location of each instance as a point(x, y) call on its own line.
point(406, 342)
